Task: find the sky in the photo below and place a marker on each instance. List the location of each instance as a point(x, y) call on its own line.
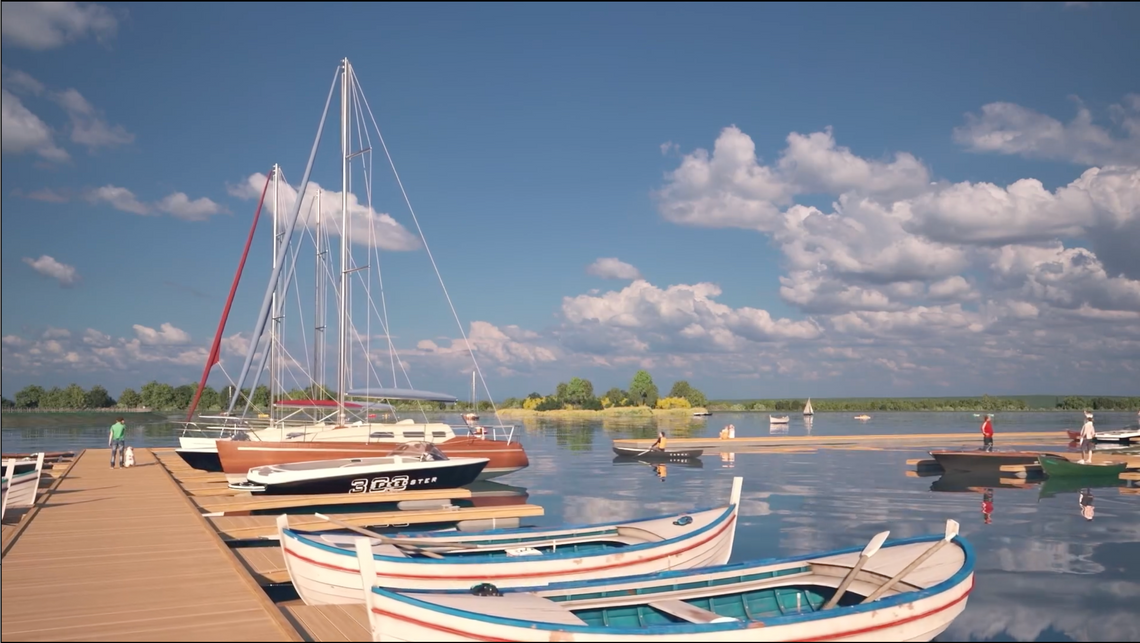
point(768, 200)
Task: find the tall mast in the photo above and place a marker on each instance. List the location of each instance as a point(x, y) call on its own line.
point(275, 328)
point(342, 323)
point(319, 342)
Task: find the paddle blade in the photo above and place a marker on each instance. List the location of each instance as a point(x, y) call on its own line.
point(951, 529)
point(875, 544)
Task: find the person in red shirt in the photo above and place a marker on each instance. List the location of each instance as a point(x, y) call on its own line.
point(988, 433)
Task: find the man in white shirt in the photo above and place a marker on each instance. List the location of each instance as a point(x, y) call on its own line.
point(1088, 436)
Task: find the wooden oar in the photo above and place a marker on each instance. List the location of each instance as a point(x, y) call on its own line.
point(951, 532)
point(868, 551)
point(381, 538)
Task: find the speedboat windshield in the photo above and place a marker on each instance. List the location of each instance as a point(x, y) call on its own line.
point(424, 451)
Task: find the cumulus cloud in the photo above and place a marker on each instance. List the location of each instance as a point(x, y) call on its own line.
point(387, 233)
point(167, 334)
point(25, 132)
point(49, 267)
point(1007, 128)
point(176, 204)
point(88, 127)
point(48, 25)
point(613, 268)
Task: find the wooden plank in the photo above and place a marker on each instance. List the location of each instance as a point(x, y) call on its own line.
point(122, 555)
point(1130, 475)
point(247, 527)
point(266, 564)
point(330, 623)
point(214, 504)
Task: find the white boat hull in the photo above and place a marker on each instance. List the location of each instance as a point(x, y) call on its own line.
point(324, 574)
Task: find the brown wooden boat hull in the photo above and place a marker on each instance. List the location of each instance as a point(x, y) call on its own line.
point(239, 456)
point(983, 460)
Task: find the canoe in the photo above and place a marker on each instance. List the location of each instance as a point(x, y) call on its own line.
point(655, 455)
point(412, 466)
point(769, 600)
point(978, 460)
point(1059, 467)
point(326, 571)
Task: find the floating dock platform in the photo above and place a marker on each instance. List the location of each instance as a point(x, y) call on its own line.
point(908, 440)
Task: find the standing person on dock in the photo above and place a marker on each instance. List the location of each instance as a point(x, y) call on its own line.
point(1088, 437)
point(117, 440)
point(988, 433)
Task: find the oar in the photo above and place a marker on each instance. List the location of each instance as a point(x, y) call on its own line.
point(951, 532)
point(381, 538)
point(868, 551)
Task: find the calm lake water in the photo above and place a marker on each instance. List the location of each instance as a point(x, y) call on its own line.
point(1044, 572)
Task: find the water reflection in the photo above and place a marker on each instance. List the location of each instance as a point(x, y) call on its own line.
point(1044, 571)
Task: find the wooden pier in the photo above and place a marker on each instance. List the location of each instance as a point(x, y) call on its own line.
point(908, 440)
point(128, 555)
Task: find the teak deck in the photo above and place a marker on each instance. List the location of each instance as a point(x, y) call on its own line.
point(122, 555)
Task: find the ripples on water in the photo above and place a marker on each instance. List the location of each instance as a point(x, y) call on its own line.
point(1044, 573)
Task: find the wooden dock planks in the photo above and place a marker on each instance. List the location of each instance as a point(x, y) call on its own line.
point(265, 564)
point(118, 555)
point(330, 623)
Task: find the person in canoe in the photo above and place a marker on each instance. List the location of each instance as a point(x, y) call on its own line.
point(988, 433)
point(659, 445)
point(1088, 437)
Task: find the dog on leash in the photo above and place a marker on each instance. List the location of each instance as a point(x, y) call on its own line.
point(129, 459)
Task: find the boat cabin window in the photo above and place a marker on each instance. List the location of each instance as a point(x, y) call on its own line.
point(381, 434)
point(423, 451)
point(439, 434)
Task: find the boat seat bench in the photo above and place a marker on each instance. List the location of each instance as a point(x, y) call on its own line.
point(690, 613)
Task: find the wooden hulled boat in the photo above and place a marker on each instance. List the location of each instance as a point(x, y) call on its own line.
point(237, 457)
point(1058, 467)
point(655, 455)
point(325, 572)
point(413, 466)
point(789, 599)
point(978, 460)
point(20, 489)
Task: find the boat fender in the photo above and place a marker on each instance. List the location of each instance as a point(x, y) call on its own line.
point(485, 589)
point(683, 520)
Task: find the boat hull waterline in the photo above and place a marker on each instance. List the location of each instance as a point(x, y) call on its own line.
point(655, 455)
point(324, 573)
point(984, 460)
point(742, 602)
point(364, 475)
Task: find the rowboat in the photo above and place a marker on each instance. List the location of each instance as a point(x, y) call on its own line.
point(905, 590)
point(655, 455)
point(782, 419)
point(411, 466)
point(19, 489)
point(1056, 466)
point(1123, 436)
point(978, 460)
point(327, 571)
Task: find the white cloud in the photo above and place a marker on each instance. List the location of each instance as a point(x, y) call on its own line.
point(176, 204)
point(47, 25)
point(50, 267)
point(168, 335)
point(1007, 128)
point(25, 132)
point(387, 233)
point(613, 268)
point(87, 124)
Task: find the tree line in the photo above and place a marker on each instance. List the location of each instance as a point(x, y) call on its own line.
point(983, 403)
point(578, 393)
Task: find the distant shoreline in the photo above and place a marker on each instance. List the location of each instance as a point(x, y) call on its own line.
point(618, 411)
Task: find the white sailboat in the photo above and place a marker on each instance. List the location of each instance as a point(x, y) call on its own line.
point(807, 408)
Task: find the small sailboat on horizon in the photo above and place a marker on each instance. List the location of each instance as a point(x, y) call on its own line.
point(808, 411)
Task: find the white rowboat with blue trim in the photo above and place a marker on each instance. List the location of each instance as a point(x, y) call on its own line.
point(885, 597)
point(325, 570)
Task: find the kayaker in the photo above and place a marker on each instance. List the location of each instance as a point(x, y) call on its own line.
point(1088, 437)
point(988, 433)
point(659, 445)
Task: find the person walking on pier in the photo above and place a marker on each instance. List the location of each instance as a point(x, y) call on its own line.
point(988, 433)
point(116, 440)
point(1088, 437)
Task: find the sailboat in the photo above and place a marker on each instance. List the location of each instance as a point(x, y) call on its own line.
point(808, 411)
point(324, 429)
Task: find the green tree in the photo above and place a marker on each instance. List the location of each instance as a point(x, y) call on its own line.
point(5, 403)
point(642, 389)
point(682, 389)
point(209, 399)
point(29, 397)
point(53, 398)
point(261, 396)
point(578, 391)
point(130, 399)
point(183, 395)
point(98, 398)
point(157, 395)
point(617, 397)
point(76, 397)
point(562, 391)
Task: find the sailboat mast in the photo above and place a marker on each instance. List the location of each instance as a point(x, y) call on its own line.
point(319, 286)
point(342, 323)
point(275, 328)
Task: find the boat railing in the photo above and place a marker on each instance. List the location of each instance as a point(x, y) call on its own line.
point(499, 432)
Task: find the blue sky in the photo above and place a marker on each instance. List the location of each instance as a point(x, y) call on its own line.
point(823, 199)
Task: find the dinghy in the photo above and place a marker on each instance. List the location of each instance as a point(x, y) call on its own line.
point(1122, 436)
point(20, 482)
point(773, 419)
point(412, 466)
point(905, 590)
point(654, 455)
point(326, 571)
point(1057, 467)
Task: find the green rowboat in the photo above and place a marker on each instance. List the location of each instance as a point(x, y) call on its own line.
point(1060, 467)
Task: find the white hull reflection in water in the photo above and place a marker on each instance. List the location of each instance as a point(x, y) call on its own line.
point(1044, 572)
